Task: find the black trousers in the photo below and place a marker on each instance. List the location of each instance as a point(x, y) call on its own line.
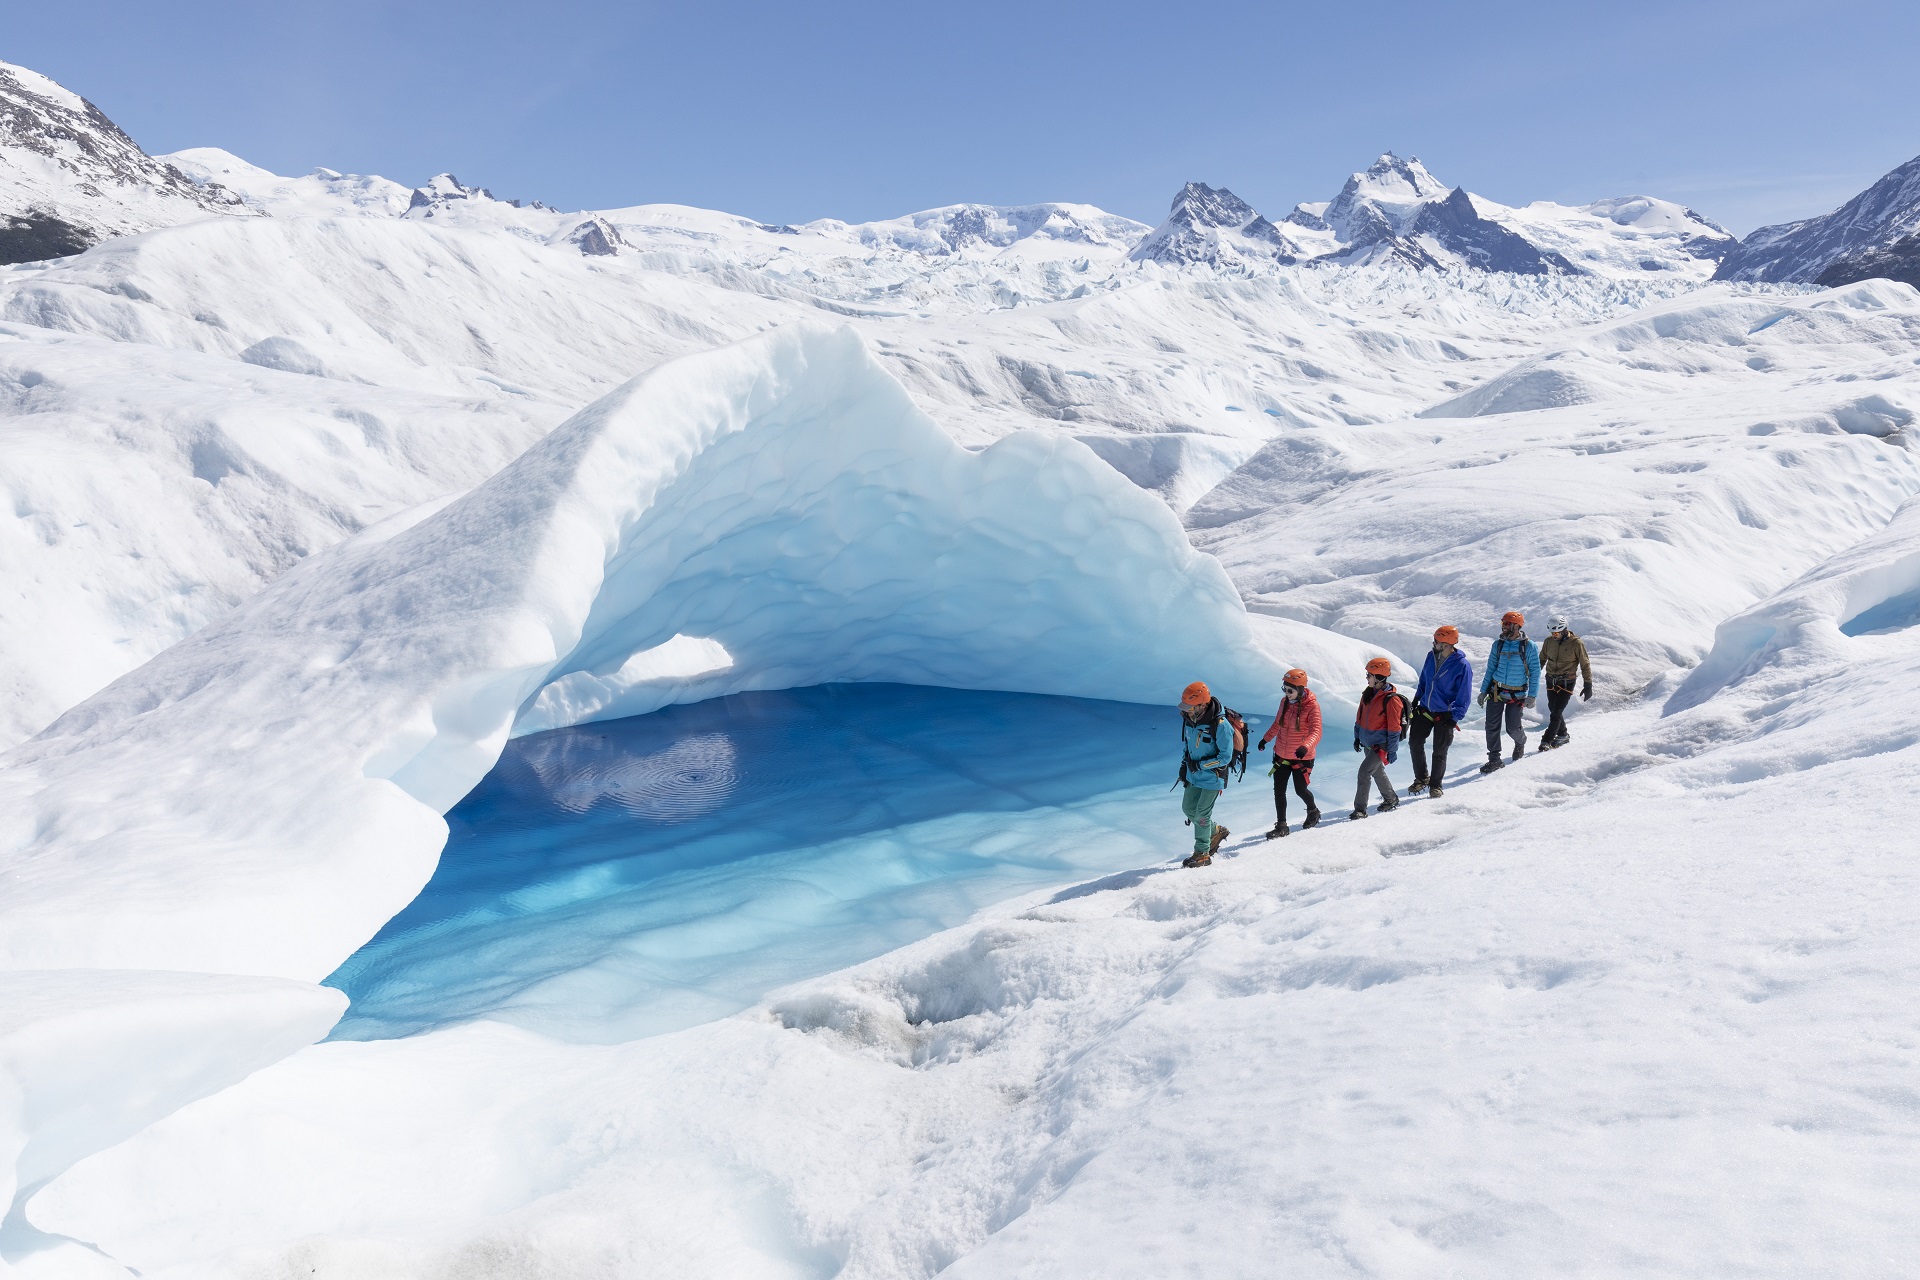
point(1301, 771)
point(1557, 698)
point(1441, 731)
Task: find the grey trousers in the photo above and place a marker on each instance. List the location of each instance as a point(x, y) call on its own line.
point(1500, 709)
point(1373, 770)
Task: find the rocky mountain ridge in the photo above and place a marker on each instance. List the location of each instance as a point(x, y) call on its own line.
point(70, 177)
point(1874, 235)
point(1397, 211)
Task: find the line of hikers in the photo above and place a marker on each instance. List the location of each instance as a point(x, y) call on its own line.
point(1213, 738)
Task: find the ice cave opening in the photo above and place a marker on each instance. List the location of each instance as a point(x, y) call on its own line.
point(629, 877)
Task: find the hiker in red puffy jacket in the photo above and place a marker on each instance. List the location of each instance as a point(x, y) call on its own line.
point(1376, 735)
point(1295, 734)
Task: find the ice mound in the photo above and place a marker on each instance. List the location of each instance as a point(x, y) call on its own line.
point(1860, 604)
point(264, 795)
point(88, 1058)
point(1522, 390)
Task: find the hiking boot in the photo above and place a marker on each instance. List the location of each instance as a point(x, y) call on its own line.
point(1419, 784)
point(1493, 764)
point(1434, 791)
point(1279, 829)
point(1220, 833)
point(1198, 860)
point(1519, 751)
point(1387, 806)
point(1356, 815)
point(1313, 819)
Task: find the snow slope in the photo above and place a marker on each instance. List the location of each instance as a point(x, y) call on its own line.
point(177, 435)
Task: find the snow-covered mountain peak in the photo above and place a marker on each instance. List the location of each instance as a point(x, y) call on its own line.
point(325, 192)
point(69, 177)
point(987, 230)
point(1213, 227)
point(1382, 199)
point(1648, 213)
point(25, 80)
point(1391, 180)
point(443, 190)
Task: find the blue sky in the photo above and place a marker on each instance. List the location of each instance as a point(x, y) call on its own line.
point(1751, 112)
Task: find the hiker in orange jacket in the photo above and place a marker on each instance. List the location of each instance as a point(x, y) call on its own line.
point(1377, 729)
point(1295, 734)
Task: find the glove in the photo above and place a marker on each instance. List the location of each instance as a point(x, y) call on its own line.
point(1443, 717)
point(1356, 744)
point(1586, 694)
point(1529, 702)
point(1299, 753)
point(1484, 695)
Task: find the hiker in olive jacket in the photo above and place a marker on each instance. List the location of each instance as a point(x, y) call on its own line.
point(1561, 655)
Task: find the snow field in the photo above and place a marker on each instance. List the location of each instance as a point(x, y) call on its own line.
point(1721, 449)
point(1604, 1013)
point(320, 374)
point(150, 491)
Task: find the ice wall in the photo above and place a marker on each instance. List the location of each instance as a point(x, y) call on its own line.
point(262, 796)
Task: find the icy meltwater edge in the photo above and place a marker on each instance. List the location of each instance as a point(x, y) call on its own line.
point(630, 877)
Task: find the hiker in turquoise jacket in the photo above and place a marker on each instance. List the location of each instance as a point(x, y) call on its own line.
point(1510, 685)
point(1206, 750)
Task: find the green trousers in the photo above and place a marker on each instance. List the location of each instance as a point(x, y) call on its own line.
point(1197, 804)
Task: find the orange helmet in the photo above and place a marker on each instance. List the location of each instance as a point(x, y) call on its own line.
point(1297, 677)
point(1513, 618)
point(1379, 667)
point(1446, 635)
point(1197, 695)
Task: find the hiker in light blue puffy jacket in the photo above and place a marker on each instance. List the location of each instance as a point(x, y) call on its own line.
point(1509, 686)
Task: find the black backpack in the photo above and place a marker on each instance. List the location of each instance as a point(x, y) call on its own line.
point(1239, 758)
point(1406, 709)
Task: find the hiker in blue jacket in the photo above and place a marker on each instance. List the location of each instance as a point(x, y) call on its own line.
point(1439, 703)
point(1511, 684)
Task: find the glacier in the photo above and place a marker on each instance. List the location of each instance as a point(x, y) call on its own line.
point(782, 497)
point(739, 956)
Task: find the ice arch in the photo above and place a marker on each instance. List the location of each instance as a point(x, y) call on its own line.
point(264, 795)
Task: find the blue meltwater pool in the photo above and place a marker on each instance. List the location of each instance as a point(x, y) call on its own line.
point(636, 876)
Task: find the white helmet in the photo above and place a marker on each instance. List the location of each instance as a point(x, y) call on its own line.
point(1557, 622)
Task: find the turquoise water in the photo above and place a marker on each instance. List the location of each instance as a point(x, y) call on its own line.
point(635, 876)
